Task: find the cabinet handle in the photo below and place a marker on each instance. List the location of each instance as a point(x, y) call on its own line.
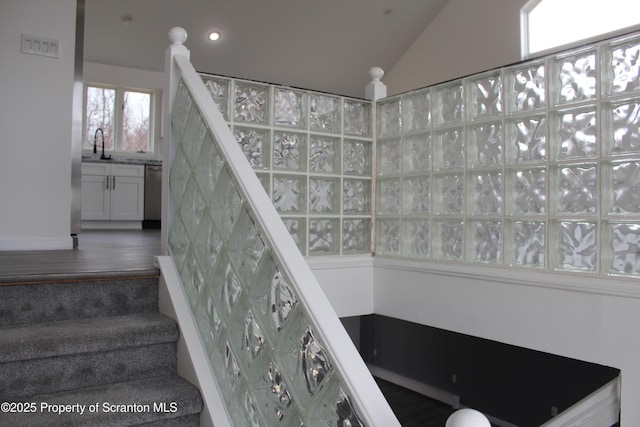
point(107, 183)
point(113, 186)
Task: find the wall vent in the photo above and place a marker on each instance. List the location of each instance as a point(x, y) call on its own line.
point(40, 46)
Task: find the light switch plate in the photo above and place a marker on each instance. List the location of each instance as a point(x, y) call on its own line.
point(40, 46)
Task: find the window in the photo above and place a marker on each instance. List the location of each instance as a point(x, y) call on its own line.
point(124, 116)
point(547, 24)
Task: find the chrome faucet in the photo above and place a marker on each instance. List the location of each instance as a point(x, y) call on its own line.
point(95, 144)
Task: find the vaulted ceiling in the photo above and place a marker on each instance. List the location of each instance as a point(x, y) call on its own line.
point(324, 45)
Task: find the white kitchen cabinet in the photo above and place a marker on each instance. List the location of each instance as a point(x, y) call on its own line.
point(112, 192)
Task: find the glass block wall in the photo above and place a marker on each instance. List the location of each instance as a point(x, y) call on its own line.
point(313, 155)
point(269, 358)
point(536, 165)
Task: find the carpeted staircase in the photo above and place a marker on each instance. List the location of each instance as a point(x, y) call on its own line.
point(92, 352)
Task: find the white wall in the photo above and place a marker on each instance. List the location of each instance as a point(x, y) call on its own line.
point(35, 119)
point(590, 319)
point(467, 37)
point(131, 78)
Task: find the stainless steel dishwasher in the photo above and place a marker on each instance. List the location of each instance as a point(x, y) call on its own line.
point(152, 196)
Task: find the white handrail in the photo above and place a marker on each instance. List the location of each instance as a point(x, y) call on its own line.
point(363, 390)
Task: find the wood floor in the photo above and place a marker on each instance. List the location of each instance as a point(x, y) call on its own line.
point(110, 251)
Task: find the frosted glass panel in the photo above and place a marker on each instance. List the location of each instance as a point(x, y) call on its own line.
point(290, 108)
point(251, 103)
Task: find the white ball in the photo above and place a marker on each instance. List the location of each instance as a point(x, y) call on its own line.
point(467, 418)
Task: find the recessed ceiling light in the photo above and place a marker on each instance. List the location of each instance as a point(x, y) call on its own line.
point(126, 20)
point(214, 36)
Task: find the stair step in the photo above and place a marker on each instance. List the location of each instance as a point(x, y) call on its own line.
point(56, 356)
point(51, 339)
point(161, 401)
point(60, 299)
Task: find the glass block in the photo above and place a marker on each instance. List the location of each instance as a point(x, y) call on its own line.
point(208, 167)
point(525, 87)
point(389, 122)
point(290, 108)
point(447, 239)
point(219, 90)
point(325, 113)
point(485, 193)
point(182, 105)
point(246, 337)
point(526, 140)
point(416, 238)
point(192, 277)
point(178, 241)
point(225, 204)
point(525, 243)
point(289, 151)
point(356, 157)
point(621, 59)
point(356, 236)
point(304, 360)
point(192, 207)
point(324, 195)
point(225, 364)
point(243, 407)
point(448, 194)
point(417, 195)
point(389, 196)
point(290, 193)
point(574, 134)
point(274, 300)
point(297, 228)
point(335, 408)
point(207, 245)
point(356, 196)
point(574, 77)
point(324, 154)
point(484, 145)
point(226, 287)
point(388, 237)
point(179, 175)
point(273, 397)
point(621, 128)
point(245, 248)
point(484, 96)
point(193, 136)
point(357, 118)
point(621, 243)
point(251, 103)
point(417, 152)
point(621, 188)
point(416, 111)
point(448, 103)
point(389, 156)
point(255, 145)
point(208, 319)
point(448, 149)
point(526, 192)
point(485, 241)
point(573, 245)
point(324, 236)
point(574, 189)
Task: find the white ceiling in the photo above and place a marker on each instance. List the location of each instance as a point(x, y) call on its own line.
point(324, 45)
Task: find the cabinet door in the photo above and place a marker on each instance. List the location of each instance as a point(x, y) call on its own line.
point(127, 198)
point(95, 197)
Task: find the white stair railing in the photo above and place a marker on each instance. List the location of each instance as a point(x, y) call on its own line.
point(267, 332)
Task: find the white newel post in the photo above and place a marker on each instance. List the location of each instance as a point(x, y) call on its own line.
point(177, 37)
point(375, 89)
point(467, 418)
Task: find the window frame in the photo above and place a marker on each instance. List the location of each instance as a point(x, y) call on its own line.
point(524, 35)
point(118, 121)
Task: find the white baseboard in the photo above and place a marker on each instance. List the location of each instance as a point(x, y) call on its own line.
point(111, 225)
point(36, 243)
